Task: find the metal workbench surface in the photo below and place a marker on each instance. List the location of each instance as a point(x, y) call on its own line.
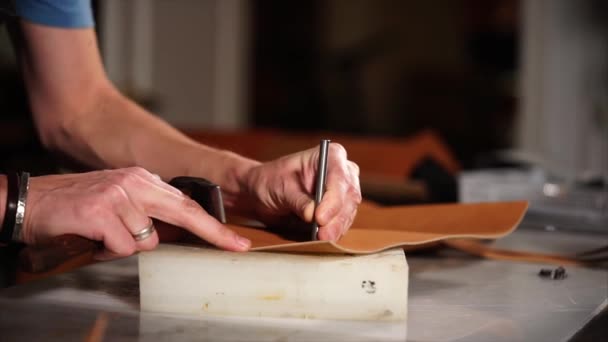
point(452, 297)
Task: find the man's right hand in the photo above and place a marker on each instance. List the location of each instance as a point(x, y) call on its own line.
point(112, 205)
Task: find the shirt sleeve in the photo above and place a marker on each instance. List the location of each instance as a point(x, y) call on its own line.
point(57, 13)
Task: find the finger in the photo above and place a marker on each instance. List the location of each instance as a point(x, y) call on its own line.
point(300, 202)
point(194, 219)
point(338, 183)
point(308, 208)
point(326, 213)
point(182, 211)
point(135, 220)
point(117, 241)
point(353, 198)
point(339, 206)
point(354, 171)
point(339, 225)
point(158, 181)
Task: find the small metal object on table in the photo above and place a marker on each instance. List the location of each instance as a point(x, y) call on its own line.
point(452, 297)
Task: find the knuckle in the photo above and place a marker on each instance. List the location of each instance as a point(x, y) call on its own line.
point(355, 194)
point(126, 250)
point(114, 194)
point(91, 208)
point(342, 221)
point(226, 234)
point(354, 213)
point(225, 237)
point(138, 170)
point(190, 207)
point(355, 168)
point(149, 243)
point(338, 149)
point(329, 213)
point(97, 233)
point(126, 178)
point(352, 217)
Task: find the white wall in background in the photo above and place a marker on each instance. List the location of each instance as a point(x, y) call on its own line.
point(191, 54)
point(564, 86)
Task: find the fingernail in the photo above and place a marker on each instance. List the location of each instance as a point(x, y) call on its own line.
point(243, 242)
point(176, 191)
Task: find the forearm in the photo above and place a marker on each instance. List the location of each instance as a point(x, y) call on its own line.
point(3, 194)
point(116, 132)
point(79, 112)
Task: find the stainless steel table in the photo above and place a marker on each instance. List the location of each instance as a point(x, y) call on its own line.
point(452, 297)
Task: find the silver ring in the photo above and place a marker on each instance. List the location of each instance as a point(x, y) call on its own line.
point(24, 186)
point(145, 233)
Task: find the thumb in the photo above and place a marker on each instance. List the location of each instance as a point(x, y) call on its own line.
point(304, 207)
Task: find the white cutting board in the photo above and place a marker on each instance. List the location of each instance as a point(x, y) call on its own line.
point(209, 282)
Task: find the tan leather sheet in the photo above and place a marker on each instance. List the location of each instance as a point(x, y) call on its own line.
point(378, 228)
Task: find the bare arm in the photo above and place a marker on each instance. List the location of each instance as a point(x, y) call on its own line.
point(3, 190)
point(79, 112)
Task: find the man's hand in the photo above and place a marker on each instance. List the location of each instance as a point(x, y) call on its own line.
point(285, 186)
point(111, 206)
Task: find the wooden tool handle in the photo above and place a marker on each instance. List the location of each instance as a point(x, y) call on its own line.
point(60, 249)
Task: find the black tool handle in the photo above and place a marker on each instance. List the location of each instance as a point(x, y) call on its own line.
point(207, 194)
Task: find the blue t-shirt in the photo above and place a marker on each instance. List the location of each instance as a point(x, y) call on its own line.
point(57, 13)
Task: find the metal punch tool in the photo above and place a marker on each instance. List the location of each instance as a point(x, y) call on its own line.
point(320, 183)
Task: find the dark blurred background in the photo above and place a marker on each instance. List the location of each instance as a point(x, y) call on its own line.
point(389, 68)
point(480, 73)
